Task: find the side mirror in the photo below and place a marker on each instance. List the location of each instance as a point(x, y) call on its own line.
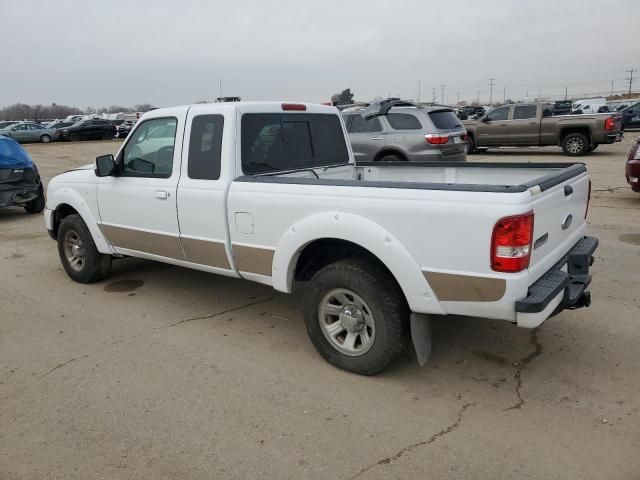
point(105, 166)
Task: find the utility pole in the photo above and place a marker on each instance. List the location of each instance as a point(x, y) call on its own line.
point(442, 93)
point(611, 88)
point(504, 95)
point(566, 90)
point(433, 91)
point(630, 72)
point(491, 84)
point(458, 95)
point(220, 89)
point(478, 100)
point(418, 91)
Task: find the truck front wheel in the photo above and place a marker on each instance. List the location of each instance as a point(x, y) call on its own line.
point(78, 253)
point(575, 144)
point(356, 316)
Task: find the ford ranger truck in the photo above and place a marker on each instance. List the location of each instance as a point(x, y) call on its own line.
point(532, 125)
point(269, 192)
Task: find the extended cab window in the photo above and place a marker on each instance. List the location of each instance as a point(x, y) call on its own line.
point(403, 121)
point(360, 125)
point(149, 153)
point(522, 112)
point(501, 113)
point(205, 146)
point(272, 141)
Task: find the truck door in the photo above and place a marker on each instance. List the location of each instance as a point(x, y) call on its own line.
point(202, 190)
point(138, 207)
point(493, 129)
point(524, 126)
point(366, 137)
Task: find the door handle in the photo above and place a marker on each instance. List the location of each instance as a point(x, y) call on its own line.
point(162, 195)
point(376, 138)
point(533, 124)
point(503, 125)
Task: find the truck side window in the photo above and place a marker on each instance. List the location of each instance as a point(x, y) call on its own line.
point(149, 152)
point(205, 146)
point(522, 112)
point(403, 121)
point(501, 113)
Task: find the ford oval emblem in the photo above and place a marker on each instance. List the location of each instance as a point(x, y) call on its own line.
point(566, 223)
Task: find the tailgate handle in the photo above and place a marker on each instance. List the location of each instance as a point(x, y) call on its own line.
point(568, 190)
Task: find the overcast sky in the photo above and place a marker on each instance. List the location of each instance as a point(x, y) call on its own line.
point(168, 52)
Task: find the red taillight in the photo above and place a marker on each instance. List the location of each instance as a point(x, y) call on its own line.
point(588, 200)
point(511, 243)
point(609, 123)
point(437, 138)
point(294, 106)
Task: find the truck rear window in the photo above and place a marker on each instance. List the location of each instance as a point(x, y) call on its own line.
point(445, 120)
point(272, 141)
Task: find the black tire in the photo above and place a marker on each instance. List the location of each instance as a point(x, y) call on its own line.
point(593, 147)
point(95, 266)
point(74, 137)
point(470, 146)
point(388, 312)
point(45, 139)
point(391, 157)
point(37, 204)
point(575, 144)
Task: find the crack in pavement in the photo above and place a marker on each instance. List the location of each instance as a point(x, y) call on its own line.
point(213, 315)
point(408, 448)
point(520, 366)
point(61, 365)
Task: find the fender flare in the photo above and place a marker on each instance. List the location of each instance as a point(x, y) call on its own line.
point(360, 231)
point(69, 196)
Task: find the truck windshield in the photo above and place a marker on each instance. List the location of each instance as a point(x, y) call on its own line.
point(272, 141)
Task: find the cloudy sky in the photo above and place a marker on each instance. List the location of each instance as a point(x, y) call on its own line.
point(168, 52)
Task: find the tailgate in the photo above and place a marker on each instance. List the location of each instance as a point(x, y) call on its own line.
point(559, 221)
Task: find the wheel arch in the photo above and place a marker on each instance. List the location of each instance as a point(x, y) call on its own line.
point(584, 129)
point(69, 202)
point(351, 236)
point(390, 151)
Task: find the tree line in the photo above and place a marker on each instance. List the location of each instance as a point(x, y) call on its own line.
point(21, 111)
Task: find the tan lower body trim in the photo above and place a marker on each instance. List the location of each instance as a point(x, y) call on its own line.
point(253, 259)
point(141, 241)
point(450, 287)
point(205, 252)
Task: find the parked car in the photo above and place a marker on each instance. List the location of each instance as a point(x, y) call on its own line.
point(5, 124)
point(533, 125)
point(471, 112)
point(59, 125)
point(24, 132)
point(631, 116)
point(20, 183)
point(395, 130)
point(90, 129)
point(269, 192)
point(123, 129)
point(632, 168)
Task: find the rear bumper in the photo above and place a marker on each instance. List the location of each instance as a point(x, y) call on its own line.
point(564, 286)
point(613, 137)
point(632, 172)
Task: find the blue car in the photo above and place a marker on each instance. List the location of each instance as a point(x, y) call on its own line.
point(20, 183)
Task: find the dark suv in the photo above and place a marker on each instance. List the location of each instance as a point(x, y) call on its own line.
point(92, 129)
point(631, 116)
point(396, 130)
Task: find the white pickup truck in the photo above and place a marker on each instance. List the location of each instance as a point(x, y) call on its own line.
point(269, 192)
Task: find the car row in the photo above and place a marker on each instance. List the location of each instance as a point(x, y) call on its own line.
point(86, 129)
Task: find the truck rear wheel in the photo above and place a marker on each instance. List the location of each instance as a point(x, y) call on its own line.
point(78, 253)
point(469, 146)
point(356, 316)
point(575, 144)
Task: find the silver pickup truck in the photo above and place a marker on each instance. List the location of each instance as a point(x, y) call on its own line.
point(529, 125)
